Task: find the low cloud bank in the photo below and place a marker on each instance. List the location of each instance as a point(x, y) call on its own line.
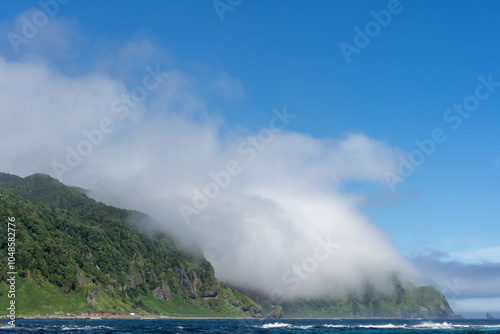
point(265, 207)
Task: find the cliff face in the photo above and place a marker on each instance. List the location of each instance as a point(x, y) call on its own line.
point(431, 305)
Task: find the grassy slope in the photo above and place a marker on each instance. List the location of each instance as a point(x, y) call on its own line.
point(41, 297)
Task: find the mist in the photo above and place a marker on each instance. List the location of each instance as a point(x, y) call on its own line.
point(266, 206)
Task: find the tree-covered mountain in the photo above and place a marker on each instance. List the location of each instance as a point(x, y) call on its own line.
point(74, 254)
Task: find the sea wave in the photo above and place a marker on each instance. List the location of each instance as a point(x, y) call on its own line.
point(275, 325)
point(424, 325)
point(83, 328)
point(444, 325)
point(335, 326)
point(285, 325)
point(387, 326)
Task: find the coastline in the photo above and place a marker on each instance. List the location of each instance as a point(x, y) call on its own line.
point(135, 317)
point(159, 317)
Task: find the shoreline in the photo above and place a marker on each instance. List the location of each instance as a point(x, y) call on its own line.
point(128, 317)
point(160, 317)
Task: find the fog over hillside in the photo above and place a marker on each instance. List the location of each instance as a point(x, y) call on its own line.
point(266, 207)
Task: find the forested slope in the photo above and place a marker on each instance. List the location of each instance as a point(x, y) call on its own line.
point(74, 254)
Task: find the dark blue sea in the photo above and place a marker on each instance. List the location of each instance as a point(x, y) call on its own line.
point(298, 326)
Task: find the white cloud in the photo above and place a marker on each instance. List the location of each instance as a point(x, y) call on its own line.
point(44, 111)
point(268, 219)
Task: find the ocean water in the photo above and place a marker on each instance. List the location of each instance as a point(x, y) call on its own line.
point(254, 326)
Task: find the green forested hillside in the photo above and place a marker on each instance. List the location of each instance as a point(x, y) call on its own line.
point(74, 254)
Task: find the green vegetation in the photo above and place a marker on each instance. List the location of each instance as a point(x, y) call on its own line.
point(75, 254)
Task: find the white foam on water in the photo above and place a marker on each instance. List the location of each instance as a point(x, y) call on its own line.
point(285, 325)
point(78, 328)
point(383, 326)
point(335, 326)
point(424, 325)
point(444, 325)
point(303, 327)
point(276, 325)
point(9, 327)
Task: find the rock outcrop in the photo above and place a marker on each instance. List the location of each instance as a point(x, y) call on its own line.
point(186, 283)
point(162, 292)
point(276, 312)
point(254, 311)
point(91, 297)
point(490, 317)
point(212, 293)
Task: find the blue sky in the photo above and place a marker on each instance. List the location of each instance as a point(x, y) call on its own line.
point(396, 90)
